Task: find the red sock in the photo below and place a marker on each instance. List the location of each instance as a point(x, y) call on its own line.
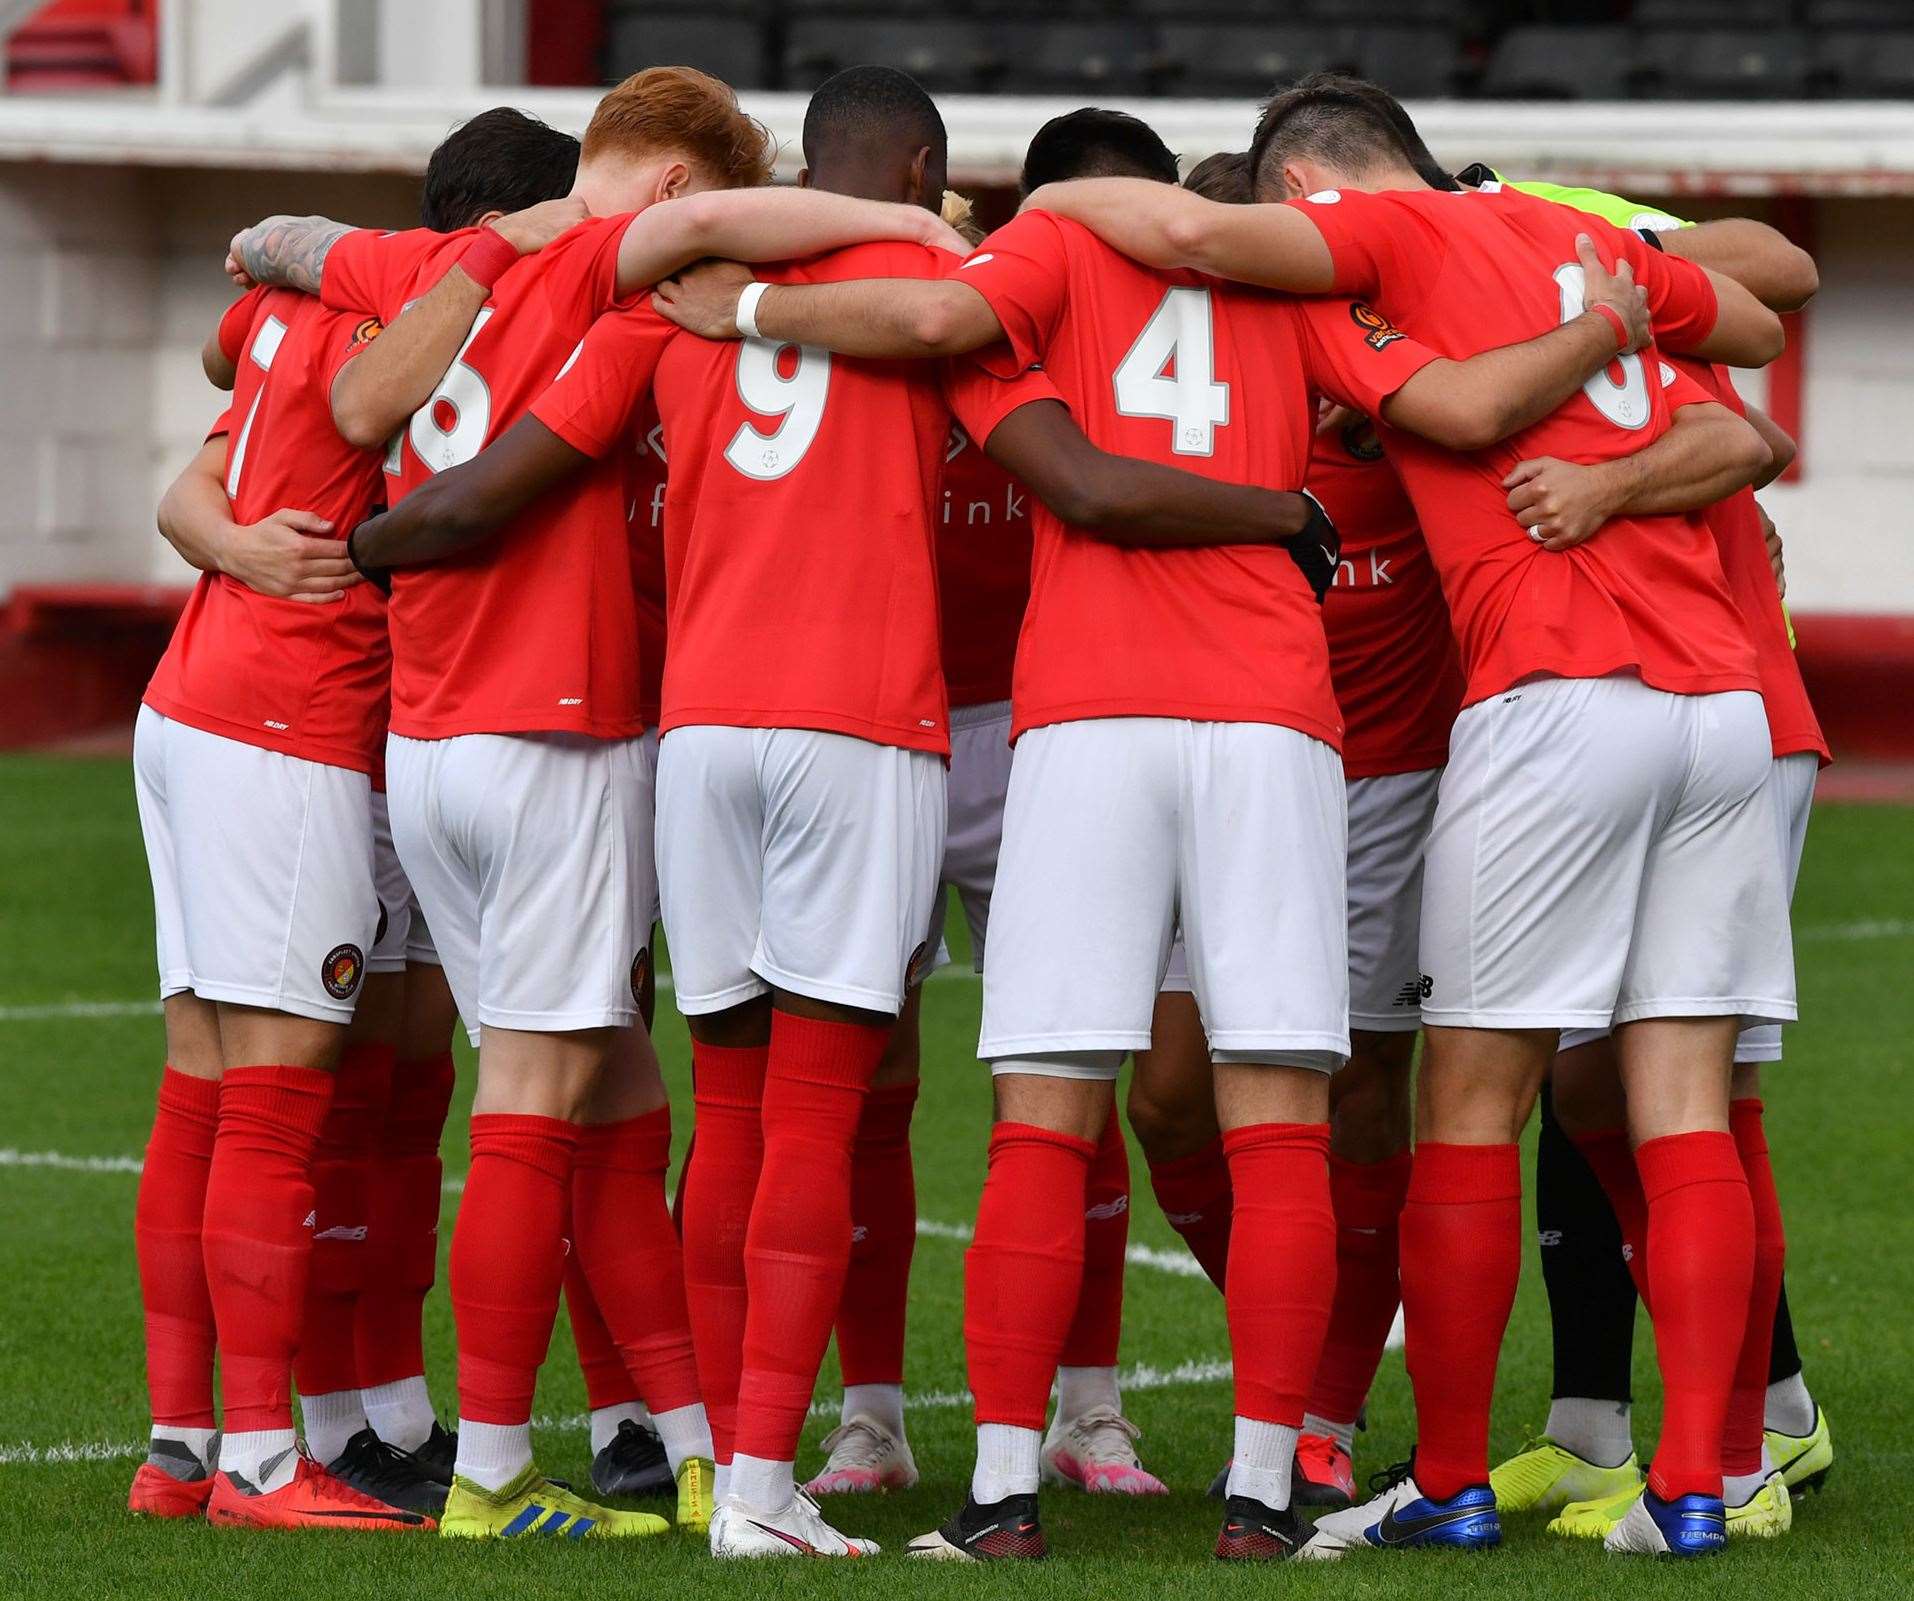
point(1097, 1329)
point(1282, 1265)
point(870, 1316)
point(623, 1238)
point(1367, 1198)
point(508, 1257)
point(1461, 1257)
point(1194, 1193)
point(166, 1225)
point(402, 1258)
point(1741, 1440)
point(256, 1234)
point(1701, 1259)
point(1613, 1163)
point(607, 1381)
point(341, 1210)
point(721, 1180)
point(1024, 1270)
point(799, 1241)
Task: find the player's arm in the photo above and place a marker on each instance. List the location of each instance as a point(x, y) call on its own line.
point(864, 317)
point(1138, 503)
point(1763, 260)
point(765, 225)
point(1472, 404)
point(375, 392)
point(286, 555)
point(1745, 334)
point(1706, 455)
point(222, 372)
point(1780, 443)
point(1162, 225)
point(289, 252)
point(454, 510)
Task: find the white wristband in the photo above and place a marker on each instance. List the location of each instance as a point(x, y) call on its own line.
point(747, 313)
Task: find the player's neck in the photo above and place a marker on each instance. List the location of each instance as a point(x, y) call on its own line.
point(867, 181)
point(1386, 178)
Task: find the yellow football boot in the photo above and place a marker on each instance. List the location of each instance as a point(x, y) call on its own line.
point(532, 1504)
point(1543, 1476)
point(1593, 1518)
point(695, 1475)
point(1804, 1459)
point(1765, 1515)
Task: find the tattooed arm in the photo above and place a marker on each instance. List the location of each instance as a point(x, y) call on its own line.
point(288, 252)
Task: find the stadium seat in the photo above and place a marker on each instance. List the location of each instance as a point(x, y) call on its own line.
point(1864, 65)
point(945, 57)
point(1713, 13)
point(1073, 58)
point(728, 45)
point(1223, 61)
point(1449, 14)
point(1723, 64)
point(1831, 14)
point(70, 46)
point(1541, 63)
point(1415, 63)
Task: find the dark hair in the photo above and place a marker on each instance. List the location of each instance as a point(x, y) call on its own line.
point(875, 110)
point(1334, 118)
point(1223, 177)
point(1094, 143)
point(502, 160)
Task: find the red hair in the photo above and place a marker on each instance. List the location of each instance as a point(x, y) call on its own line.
point(682, 111)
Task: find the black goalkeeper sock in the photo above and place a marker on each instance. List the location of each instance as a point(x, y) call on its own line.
point(1784, 1362)
point(1591, 1298)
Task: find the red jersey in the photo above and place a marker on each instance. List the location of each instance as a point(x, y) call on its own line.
point(1392, 655)
point(602, 405)
point(1211, 377)
point(983, 552)
point(1736, 525)
point(537, 629)
point(1470, 270)
point(307, 680)
point(799, 558)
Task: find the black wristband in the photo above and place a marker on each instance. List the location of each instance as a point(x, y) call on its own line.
point(1316, 548)
point(1651, 237)
point(380, 578)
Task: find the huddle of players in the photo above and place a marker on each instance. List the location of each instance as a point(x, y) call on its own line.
point(1175, 711)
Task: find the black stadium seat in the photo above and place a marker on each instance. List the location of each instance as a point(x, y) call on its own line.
point(1073, 58)
point(1724, 64)
point(1713, 13)
point(1561, 64)
point(945, 57)
point(1449, 14)
point(1414, 63)
point(723, 42)
point(1865, 65)
point(1819, 14)
point(1228, 61)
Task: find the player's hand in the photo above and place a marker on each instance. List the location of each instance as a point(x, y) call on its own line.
point(939, 235)
point(234, 271)
point(1560, 503)
point(291, 555)
point(1616, 290)
point(537, 226)
point(1776, 558)
point(703, 298)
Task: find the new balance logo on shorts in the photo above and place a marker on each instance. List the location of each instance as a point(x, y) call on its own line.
point(1416, 991)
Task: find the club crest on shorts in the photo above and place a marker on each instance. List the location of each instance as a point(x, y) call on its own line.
point(640, 974)
point(341, 971)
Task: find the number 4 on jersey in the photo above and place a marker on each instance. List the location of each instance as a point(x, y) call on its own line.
point(1170, 372)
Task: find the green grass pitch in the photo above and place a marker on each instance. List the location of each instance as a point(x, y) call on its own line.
point(75, 913)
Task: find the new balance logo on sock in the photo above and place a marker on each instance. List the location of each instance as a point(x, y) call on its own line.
point(1182, 1220)
point(859, 1234)
point(342, 1231)
point(1105, 1210)
point(312, 1221)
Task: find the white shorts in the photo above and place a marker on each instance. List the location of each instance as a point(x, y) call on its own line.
point(795, 859)
point(1604, 851)
point(530, 854)
point(979, 776)
point(1118, 831)
point(262, 871)
point(1389, 817)
point(648, 755)
point(1790, 783)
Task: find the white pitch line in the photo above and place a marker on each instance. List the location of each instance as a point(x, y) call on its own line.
point(1179, 1263)
point(58, 1009)
point(9, 1157)
point(1142, 1377)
